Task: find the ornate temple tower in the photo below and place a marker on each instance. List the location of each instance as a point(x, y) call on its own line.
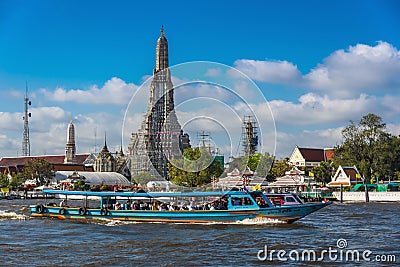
point(160, 137)
point(70, 149)
point(105, 162)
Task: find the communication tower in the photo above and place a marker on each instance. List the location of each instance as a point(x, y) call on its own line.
point(26, 146)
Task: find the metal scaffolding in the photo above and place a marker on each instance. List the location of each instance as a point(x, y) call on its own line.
point(249, 137)
point(160, 137)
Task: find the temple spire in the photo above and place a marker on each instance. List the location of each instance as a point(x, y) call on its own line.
point(70, 149)
point(161, 52)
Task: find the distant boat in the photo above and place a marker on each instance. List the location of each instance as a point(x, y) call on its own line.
point(177, 207)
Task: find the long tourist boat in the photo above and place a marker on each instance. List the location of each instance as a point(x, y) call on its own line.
point(177, 207)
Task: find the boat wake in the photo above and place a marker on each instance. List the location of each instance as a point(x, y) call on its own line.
point(260, 221)
point(255, 221)
point(10, 215)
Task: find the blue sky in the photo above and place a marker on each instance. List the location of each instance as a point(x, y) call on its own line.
point(318, 63)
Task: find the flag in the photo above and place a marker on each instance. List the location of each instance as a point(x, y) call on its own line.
point(257, 187)
point(245, 190)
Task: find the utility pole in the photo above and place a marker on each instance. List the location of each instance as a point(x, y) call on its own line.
point(26, 145)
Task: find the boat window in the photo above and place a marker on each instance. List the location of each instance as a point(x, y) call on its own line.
point(241, 201)
point(277, 200)
point(290, 199)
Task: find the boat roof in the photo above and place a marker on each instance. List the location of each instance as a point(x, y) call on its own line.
point(144, 194)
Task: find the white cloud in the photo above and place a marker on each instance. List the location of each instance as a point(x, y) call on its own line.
point(313, 109)
point(344, 73)
point(213, 72)
point(393, 128)
point(115, 91)
point(281, 72)
point(321, 138)
point(361, 68)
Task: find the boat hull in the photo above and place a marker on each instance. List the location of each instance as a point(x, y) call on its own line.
point(287, 214)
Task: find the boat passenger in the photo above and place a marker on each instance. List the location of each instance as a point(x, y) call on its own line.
point(63, 203)
point(127, 205)
point(136, 206)
point(155, 206)
point(162, 207)
point(118, 206)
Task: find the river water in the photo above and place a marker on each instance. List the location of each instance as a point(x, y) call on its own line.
point(348, 228)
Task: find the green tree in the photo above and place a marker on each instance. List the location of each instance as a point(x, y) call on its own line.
point(235, 163)
point(17, 180)
point(323, 172)
point(80, 184)
point(40, 170)
point(278, 169)
point(370, 147)
point(4, 181)
point(196, 168)
point(143, 178)
point(260, 163)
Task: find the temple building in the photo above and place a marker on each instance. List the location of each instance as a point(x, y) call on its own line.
point(105, 161)
point(160, 136)
point(70, 149)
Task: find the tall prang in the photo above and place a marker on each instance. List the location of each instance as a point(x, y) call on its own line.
point(70, 149)
point(160, 137)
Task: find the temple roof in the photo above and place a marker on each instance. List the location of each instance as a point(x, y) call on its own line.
point(53, 159)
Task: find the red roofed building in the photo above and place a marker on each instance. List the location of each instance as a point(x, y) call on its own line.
point(310, 157)
point(15, 164)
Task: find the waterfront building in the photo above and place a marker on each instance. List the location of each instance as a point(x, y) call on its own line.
point(345, 176)
point(309, 157)
point(11, 165)
point(294, 180)
point(160, 137)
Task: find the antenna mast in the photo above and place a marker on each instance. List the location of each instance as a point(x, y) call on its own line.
point(26, 145)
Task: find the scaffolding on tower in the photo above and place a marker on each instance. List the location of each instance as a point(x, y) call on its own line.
point(249, 138)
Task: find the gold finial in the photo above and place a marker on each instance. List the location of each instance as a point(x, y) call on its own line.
point(162, 30)
point(70, 121)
